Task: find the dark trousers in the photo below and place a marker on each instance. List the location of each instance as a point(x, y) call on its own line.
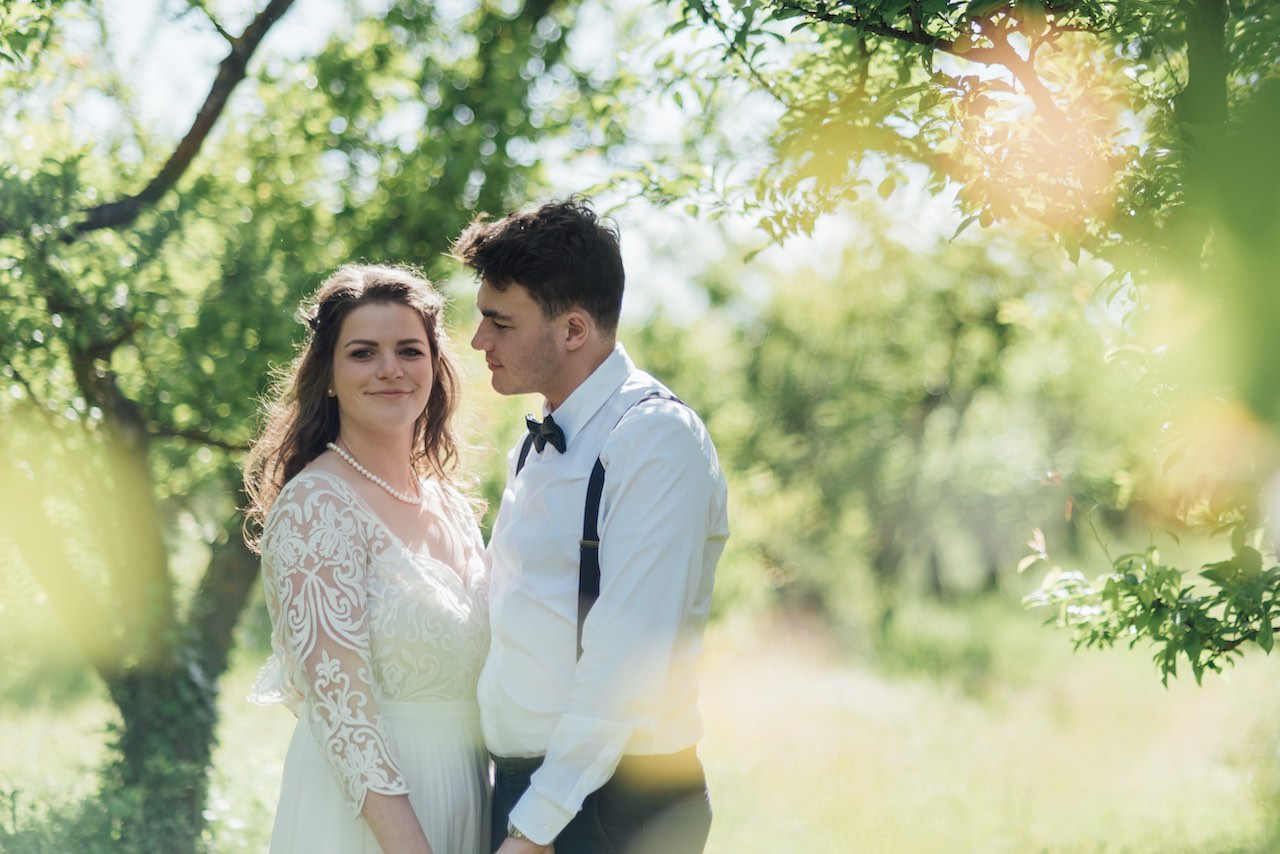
point(652, 805)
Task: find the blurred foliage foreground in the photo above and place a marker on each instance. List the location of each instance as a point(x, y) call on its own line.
point(897, 412)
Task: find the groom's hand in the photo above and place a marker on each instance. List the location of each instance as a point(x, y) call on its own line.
point(524, 846)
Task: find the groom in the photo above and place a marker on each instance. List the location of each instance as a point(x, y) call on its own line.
point(603, 556)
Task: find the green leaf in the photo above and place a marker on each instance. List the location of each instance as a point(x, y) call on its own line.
point(982, 8)
point(787, 12)
point(968, 221)
point(1223, 577)
point(1191, 646)
point(1266, 635)
point(1249, 560)
point(1071, 243)
point(1144, 594)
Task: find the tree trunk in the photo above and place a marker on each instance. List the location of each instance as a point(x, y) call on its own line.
point(222, 596)
point(165, 745)
point(933, 569)
point(168, 707)
point(1204, 100)
point(990, 561)
point(160, 670)
point(1202, 115)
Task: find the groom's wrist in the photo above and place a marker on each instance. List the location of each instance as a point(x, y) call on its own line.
point(516, 833)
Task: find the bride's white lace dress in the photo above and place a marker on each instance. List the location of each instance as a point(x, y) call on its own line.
point(377, 650)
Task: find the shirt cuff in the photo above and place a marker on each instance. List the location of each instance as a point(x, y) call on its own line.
point(539, 818)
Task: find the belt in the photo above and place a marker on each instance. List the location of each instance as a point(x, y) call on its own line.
point(512, 765)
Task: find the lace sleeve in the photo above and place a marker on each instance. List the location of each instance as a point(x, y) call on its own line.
point(315, 558)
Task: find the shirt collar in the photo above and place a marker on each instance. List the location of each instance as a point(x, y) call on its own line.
point(586, 400)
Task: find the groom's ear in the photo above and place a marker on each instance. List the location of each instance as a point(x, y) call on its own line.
point(577, 326)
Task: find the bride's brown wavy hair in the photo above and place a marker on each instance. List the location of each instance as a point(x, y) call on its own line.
point(301, 418)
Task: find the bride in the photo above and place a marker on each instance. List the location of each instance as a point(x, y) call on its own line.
point(374, 580)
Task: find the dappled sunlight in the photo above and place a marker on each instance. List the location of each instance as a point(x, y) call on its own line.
point(77, 511)
point(1050, 155)
point(50, 757)
point(899, 401)
point(808, 750)
point(1214, 460)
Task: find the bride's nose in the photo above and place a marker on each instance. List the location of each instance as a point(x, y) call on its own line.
point(389, 366)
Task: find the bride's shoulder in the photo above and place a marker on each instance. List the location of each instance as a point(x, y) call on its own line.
point(311, 500)
point(314, 485)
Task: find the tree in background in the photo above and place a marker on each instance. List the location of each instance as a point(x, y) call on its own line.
point(147, 286)
point(1138, 132)
point(890, 410)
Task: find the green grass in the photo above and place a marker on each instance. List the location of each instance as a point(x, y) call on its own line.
point(986, 734)
point(1075, 753)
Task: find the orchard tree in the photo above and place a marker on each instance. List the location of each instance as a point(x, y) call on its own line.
point(890, 410)
point(147, 286)
point(1136, 131)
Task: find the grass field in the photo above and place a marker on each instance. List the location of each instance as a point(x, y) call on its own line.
point(984, 734)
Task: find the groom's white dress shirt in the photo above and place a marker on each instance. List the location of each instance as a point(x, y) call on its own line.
point(663, 525)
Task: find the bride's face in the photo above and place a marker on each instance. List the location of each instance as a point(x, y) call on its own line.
point(382, 368)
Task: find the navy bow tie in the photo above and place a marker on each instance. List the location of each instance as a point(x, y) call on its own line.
point(545, 432)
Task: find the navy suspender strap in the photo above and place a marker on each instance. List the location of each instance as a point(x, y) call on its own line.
point(589, 548)
point(524, 452)
point(589, 545)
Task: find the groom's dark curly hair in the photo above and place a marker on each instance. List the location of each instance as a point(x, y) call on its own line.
point(561, 253)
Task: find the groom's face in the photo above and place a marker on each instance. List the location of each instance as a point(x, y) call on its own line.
point(518, 342)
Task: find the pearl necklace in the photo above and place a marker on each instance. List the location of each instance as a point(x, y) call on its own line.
point(395, 493)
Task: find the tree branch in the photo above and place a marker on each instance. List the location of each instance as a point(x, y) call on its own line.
point(1023, 70)
point(103, 349)
point(195, 436)
point(221, 597)
point(736, 49)
point(31, 392)
point(231, 72)
point(1000, 54)
point(203, 7)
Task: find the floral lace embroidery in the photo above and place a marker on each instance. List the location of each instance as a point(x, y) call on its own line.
point(357, 619)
